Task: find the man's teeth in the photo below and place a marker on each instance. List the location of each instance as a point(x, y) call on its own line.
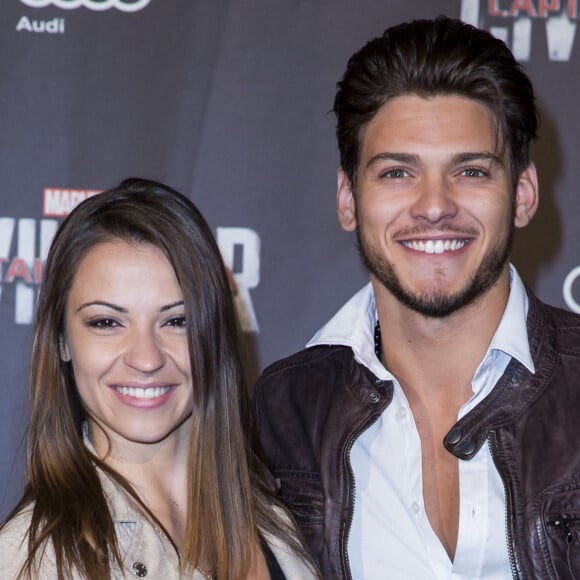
point(435, 246)
point(139, 393)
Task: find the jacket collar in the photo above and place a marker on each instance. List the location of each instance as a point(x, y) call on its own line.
point(126, 518)
point(516, 389)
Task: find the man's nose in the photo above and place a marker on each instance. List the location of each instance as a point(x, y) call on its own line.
point(435, 200)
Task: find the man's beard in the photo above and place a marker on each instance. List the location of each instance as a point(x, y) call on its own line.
point(435, 303)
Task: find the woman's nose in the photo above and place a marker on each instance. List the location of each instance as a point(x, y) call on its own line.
point(144, 352)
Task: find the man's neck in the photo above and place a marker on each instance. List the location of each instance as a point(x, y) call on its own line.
point(436, 358)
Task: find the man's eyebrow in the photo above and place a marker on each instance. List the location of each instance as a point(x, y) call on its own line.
point(408, 158)
point(412, 159)
point(478, 156)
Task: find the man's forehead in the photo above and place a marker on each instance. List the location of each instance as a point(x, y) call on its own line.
point(411, 123)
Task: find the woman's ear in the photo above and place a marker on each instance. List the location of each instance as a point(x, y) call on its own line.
point(64, 351)
point(527, 196)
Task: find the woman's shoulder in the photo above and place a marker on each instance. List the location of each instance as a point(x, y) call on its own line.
point(293, 566)
point(14, 543)
point(15, 528)
point(14, 548)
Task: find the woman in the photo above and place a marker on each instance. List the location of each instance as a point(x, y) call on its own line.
point(141, 458)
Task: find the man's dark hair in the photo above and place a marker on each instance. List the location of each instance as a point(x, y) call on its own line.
point(435, 58)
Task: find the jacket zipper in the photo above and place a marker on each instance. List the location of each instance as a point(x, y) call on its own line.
point(508, 502)
point(351, 493)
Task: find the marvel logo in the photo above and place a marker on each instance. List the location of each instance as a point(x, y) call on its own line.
point(60, 202)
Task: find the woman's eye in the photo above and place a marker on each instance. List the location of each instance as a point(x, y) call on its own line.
point(103, 323)
point(177, 322)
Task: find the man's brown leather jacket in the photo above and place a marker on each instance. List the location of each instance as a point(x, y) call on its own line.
point(311, 407)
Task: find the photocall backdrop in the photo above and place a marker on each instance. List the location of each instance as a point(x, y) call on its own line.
point(228, 102)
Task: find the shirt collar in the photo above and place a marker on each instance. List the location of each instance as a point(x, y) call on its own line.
point(511, 335)
point(353, 326)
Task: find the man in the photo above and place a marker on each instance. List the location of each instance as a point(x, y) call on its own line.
point(431, 428)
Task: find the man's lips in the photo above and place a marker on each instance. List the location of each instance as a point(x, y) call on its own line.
point(436, 246)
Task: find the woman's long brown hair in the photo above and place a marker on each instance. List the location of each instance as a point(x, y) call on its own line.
point(229, 489)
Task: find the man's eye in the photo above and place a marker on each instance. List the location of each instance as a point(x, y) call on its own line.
point(395, 173)
point(473, 172)
point(177, 322)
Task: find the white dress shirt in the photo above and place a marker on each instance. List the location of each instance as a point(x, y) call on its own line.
point(390, 536)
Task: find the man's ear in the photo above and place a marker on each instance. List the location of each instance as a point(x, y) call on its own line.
point(345, 204)
point(527, 196)
point(64, 352)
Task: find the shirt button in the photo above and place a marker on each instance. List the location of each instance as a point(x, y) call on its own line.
point(415, 507)
point(402, 413)
point(140, 569)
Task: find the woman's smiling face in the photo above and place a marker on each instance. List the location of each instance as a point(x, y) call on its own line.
point(126, 338)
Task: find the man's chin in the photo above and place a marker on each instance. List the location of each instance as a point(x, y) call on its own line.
point(434, 306)
point(440, 301)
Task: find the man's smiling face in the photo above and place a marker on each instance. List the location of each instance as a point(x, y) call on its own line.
point(434, 206)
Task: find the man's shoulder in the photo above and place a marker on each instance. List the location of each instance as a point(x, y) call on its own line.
point(564, 318)
point(306, 365)
point(565, 324)
point(568, 328)
point(313, 377)
point(320, 377)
